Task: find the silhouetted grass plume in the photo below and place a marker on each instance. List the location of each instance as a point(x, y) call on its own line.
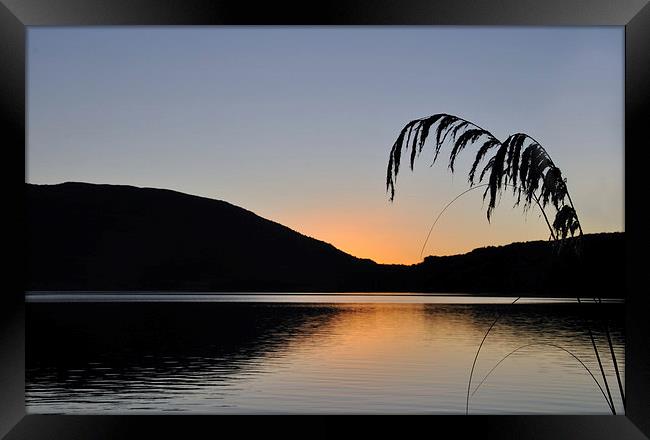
point(518, 163)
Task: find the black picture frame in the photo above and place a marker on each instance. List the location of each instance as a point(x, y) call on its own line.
point(16, 15)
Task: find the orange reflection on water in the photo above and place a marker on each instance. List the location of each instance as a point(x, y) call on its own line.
point(325, 358)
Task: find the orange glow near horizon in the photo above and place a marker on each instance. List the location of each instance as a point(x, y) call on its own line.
point(391, 234)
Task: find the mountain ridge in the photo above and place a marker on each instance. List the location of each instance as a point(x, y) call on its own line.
point(180, 193)
point(102, 237)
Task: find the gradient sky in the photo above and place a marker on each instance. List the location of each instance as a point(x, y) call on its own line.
point(295, 124)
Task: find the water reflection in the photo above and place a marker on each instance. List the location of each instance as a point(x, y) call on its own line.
point(283, 357)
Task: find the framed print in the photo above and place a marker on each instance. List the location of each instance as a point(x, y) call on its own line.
point(225, 210)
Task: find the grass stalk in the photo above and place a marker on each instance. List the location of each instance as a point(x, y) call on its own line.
point(609, 404)
point(600, 364)
point(611, 350)
point(469, 383)
point(465, 192)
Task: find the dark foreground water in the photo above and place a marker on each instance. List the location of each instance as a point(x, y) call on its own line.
point(316, 354)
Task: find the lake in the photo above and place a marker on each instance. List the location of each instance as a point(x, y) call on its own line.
point(317, 353)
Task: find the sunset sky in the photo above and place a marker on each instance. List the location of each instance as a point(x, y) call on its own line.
point(296, 124)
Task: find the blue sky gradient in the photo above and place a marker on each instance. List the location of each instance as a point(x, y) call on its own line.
point(296, 124)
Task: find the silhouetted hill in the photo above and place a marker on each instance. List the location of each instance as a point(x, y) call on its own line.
point(110, 237)
point(593, 265)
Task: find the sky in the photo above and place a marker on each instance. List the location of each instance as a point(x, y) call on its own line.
point(296, 123)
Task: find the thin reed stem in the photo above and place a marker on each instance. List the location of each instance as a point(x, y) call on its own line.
point(600, 364)
point(611, 350)
point(469, 383)
point(551, 345)
point(465, 192)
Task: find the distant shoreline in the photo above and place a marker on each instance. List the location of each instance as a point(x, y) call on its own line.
point(293, 298)
point(170, 293)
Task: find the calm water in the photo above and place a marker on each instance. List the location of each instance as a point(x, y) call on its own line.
point(379, 353)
